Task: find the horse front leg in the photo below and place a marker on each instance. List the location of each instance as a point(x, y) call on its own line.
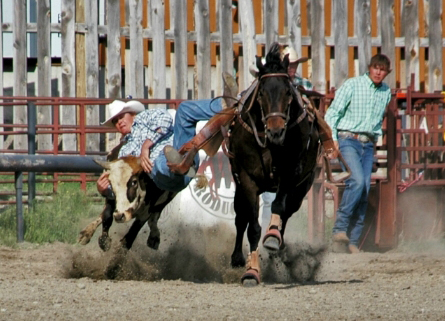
point(246, 204)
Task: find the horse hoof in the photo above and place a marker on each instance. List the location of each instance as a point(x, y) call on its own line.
point(271, 243)
point(251, 278)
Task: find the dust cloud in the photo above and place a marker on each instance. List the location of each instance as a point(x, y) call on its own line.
point(195, 253)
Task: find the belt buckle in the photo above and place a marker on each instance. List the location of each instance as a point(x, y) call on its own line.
point(363, 138)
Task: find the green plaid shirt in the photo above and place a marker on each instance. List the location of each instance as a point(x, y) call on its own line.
point(359, 106)
point(297, 81)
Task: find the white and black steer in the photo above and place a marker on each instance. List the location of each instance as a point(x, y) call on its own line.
point(135, 196)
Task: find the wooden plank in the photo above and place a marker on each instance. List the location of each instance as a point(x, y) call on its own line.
point(247, 29)
point(113, 65)
point(114, 78)
point(19, 66)
point(294, 28)
point(435, 68)
point(387, 32)
point(158, 63)
point(340, 12)
point(44, 69)
point(270, 25)
point(136, 50)
point(179, 77)
point(363, 33)
point(92, 72)
point(68, 113)
point(411, 33)
point(203, 67)
point(318, 45)
point(226, 36)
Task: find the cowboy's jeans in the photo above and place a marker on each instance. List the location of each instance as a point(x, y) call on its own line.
point(352, 210)
point(189, 113)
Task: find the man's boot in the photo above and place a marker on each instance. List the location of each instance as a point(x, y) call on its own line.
point(180, 162)
point(183, 164)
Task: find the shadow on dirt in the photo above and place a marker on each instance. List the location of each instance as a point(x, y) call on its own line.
point(195, 254)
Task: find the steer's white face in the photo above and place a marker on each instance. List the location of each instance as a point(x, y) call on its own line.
point(128, 187)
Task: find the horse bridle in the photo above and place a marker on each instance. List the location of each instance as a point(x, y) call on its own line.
point(252, 128)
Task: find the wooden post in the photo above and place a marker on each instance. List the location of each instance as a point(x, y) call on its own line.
point(136, 50)
point(247, 28)
point(270, 22)
point(340, 12)
point(179, 19)
point(226, 36)
point(388, 40)
point(157, 62)
point(44, 69)
point(92, 71)
point(294, 28)
point(363, 32)
point(435, 68)
point(20, 66)
point(318, 46)
point(68, 113)
point(412, 42)
point(203, 48)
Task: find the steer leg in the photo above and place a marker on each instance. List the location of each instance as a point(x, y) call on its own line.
point(87, 233)
point(154, 239)
point(128, 240)
point(107, 219)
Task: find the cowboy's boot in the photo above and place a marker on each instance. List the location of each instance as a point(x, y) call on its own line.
point(183, 164)
point(180, 162)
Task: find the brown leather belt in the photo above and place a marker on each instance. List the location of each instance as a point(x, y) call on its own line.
point(362, 137)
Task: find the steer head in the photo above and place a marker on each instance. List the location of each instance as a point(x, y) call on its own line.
point(127, 180)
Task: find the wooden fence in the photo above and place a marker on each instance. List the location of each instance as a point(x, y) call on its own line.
point(178, 48)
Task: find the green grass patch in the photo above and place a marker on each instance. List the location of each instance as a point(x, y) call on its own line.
point(57, 218)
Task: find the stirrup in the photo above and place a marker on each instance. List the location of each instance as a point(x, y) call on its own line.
point(179, 164)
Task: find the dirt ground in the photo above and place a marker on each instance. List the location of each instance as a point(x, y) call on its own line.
point(194, 282)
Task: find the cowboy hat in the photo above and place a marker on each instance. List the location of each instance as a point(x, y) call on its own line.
point(119, 107)
point(293, 56)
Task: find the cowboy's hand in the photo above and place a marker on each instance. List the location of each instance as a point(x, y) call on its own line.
point(334, 153)
point(146, 162)
point(102, 183)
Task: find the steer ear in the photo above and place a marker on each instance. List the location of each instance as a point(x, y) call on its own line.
point(105, 165)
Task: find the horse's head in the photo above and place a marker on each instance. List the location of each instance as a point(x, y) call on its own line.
point(275, 94)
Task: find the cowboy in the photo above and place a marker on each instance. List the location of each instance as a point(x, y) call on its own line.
point(145, 133)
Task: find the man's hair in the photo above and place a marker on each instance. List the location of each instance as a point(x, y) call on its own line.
point(381, 60)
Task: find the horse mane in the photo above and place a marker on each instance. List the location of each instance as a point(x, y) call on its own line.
point(273, 64)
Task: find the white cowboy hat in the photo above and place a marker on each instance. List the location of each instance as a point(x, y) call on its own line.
point(119, 107)
point(293, 56)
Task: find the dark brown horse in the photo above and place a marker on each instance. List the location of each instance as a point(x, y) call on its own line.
point(274, 146)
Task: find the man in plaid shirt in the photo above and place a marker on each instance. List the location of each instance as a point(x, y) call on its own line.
point(355, 117)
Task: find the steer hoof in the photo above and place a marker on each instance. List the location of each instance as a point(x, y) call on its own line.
point(84, 238)
point(104, 242)
point(153, 242)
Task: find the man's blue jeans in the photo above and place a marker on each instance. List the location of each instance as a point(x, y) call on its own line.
point(189, 113)
point(352, 210)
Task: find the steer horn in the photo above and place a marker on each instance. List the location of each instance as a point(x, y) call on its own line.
point(105, 165)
